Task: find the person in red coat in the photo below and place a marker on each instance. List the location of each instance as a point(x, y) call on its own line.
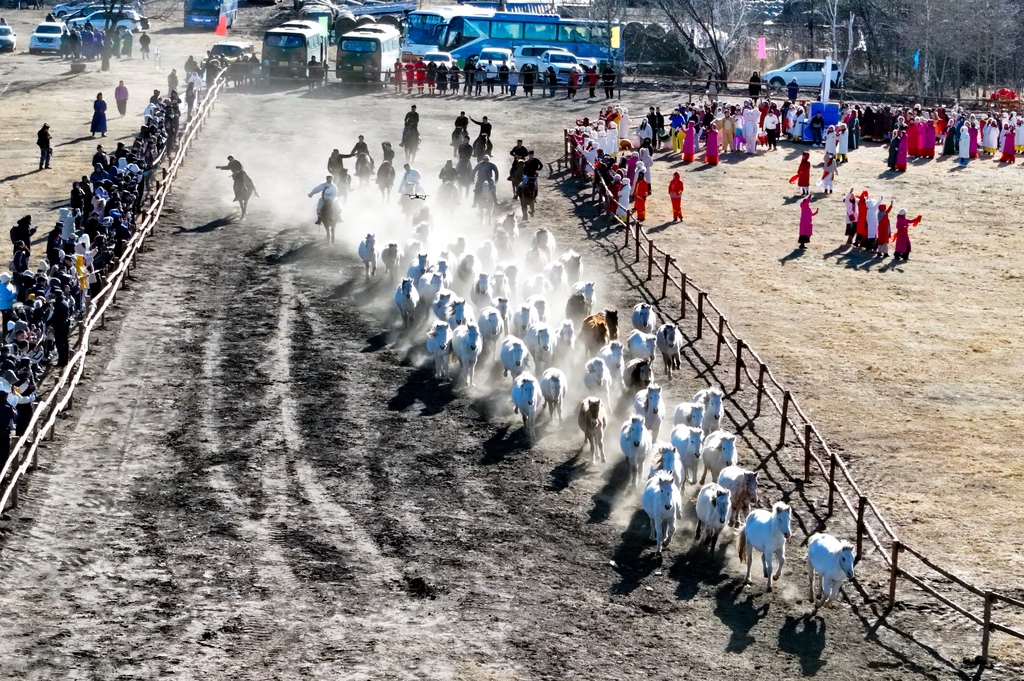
point(399, 69)
point(410, 76)
point(862, 219)
point(803, 175)
point(643, 189)
point(675, 192)
point(903, 225)
point(421, 74)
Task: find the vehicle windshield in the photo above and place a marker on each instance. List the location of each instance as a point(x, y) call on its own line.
point(48, 28)
point(227, 50)
point(489, 55)
point(358, 45)
point(435, 57)
point(278, 40)
point(424, 29)
point(4, 30)
point(204, 7)
point(562, 59)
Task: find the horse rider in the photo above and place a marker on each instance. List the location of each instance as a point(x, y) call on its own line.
point(336, 165)
point(328, 194)
point(531, 169)
point(448, 173)
point(412, 119)
point(484, 138)
point(484, 171)
point(462, 122)
point(240, 180)
point(518, 153)
point(360, 148)
point(410, 181)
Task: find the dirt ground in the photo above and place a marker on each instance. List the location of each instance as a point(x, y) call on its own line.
point(263, 482)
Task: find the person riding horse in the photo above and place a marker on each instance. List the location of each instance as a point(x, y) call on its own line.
point(327, 206)
point(460, 134)
point(241, 183)
point(485, 171)
point(482, 144)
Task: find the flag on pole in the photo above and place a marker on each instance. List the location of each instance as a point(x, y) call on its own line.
point(222, 26)
point(917, 58)
point(762, 48)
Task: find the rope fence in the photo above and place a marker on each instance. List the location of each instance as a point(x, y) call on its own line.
point(819, 459)
point(24, 456)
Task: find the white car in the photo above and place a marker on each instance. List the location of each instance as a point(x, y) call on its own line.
point(127, 19)
point(497, 56)
point(807, 72)
point(8, 39)
point(46, 37)
point(563, 62)
point(64, 9)
point(439, 58)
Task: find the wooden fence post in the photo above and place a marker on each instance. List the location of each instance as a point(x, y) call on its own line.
point(785, 415)
point(682, 297)
point(626, 244)
point(650, 259)
point(664, 280)
point(636, 239)
point(807, 453)
point(895, 572)
point(986, 629)
point(700, 314)
point(762, 367)
point(831, 482)
point(862, 504)
point(14, 494)
point(739, 364)
point(721, 337)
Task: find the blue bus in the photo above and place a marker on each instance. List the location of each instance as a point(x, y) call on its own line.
point(207, 12)
point(465, 30)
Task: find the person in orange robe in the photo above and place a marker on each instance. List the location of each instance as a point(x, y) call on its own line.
point(862, 219)
point(675, 192)
point(642, 191)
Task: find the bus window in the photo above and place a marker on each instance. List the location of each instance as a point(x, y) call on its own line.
point(423, 28)
point(599, 34)
point(573, 34)
point(273, 40)
point(506, 30)
point(359, 45)
point(548, 32)
point(462, 30)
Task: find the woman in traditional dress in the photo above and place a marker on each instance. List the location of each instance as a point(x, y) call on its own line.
point(850, 203)
point(965, 144)
point(99, 116)
point(901, 249)
point(690, 143)
point(828, 173)
point(884, 231)
point(643, 189)
point(1009, 149)
point(675, 193)
point(803, 175)
point(901, 152)
point(711, 147)
point(806, 222)
point(622, 205)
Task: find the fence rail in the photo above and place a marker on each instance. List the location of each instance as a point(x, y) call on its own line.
point(24, 456)
point(793, 419)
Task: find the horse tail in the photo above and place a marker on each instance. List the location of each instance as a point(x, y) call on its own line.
point(741, 545)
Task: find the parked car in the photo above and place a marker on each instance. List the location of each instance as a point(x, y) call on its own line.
point(8, 39)
point(807, 73)
point(64, 9)
point(562, 61)
point(439, 58)
point(127, 19)
point(232, 51)
point(529, 54)
point(497, 55)
point(46, 37)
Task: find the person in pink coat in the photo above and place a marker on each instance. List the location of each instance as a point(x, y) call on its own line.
point(711, 147)
point(1009, 150)
point(928, 136)
point(806, 222)
point(901, 248)
point(974, 141)
point(901, 153)
point(690, 144)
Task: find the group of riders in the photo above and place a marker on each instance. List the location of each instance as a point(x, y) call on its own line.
point(456, 178)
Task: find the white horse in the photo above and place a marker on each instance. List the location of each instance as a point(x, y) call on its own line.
point(670, 345)
point(686, 440)
point(717, 452)
point(467, 347)
point(713, 508)
point(662, 502)
point(439, 347)
point(711, 398)
point(491, 327)
point(391, 256)
point(645, 318)
point(553, 387)
point(642, 345)
point(742, 486)
point(525, 391)
point(635, 442)
point(541, 343)
point(368, 254)
point(831, 561)
point(647, 404)
point(596, 377)
point(406, 299)
point(514, 356)
point(766, 531)
point(689, 414)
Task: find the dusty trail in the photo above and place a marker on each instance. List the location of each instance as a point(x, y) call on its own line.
point(262, 485)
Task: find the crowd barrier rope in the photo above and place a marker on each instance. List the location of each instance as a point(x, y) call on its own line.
point(664, 279)
point(24, 456)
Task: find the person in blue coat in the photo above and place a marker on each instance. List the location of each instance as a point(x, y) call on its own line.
point(99, 116)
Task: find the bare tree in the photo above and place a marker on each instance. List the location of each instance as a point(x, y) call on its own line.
point(710, 29)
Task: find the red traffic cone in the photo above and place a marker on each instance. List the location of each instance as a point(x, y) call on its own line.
point(222, 26)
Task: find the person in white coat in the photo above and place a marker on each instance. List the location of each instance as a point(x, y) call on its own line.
point(831, 140)
point(623, 200)
point(624, 125)
point(843, 147)
point(965, 145)
point(750, 120)
point(871, 242)
point(328, 192)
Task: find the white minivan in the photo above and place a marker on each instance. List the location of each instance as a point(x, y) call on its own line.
point(806, 72)
point(497, 56)
point(563, 62)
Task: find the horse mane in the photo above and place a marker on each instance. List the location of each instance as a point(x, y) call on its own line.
point(663, 476)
